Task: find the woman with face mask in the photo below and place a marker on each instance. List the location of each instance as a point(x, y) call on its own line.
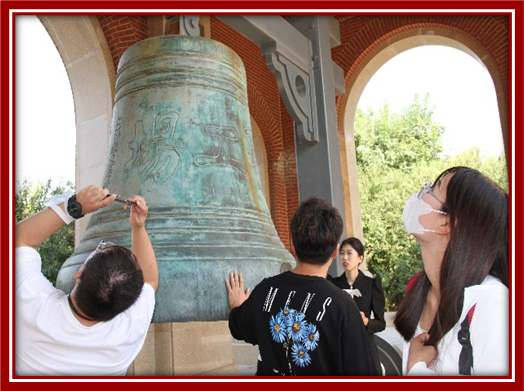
point(366, 291)
point(454, 317)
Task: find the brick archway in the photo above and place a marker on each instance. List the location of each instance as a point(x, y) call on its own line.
point(88, 63)
point(486, 37)
point(369, 61)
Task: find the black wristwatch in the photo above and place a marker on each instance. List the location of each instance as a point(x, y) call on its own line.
point(74, 208)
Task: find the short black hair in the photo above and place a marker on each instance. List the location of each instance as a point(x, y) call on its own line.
point(355, 243)
point(111, 282)
point(316, 228)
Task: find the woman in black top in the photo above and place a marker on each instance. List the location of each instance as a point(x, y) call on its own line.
point(366, 291)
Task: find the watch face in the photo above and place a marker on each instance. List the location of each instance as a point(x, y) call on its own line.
point(74, 209)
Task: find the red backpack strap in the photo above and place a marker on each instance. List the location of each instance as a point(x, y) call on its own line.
point(470, 313)
point(412, 281)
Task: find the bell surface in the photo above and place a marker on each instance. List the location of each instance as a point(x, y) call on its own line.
point(181, 138)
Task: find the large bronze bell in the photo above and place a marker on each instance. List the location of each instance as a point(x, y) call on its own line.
point(181, 138)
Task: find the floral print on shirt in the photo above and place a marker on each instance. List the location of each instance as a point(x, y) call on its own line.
point(290, 328)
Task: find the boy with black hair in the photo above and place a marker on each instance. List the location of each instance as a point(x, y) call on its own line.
point(303, 324)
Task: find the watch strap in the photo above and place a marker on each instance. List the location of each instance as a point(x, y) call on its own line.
point(77, 214)
point(64, 216)
point(59, 198)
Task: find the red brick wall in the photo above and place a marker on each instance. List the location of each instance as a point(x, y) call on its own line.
point(266, 108)
point(122, 32)
point(290, 168)
point(360, 34)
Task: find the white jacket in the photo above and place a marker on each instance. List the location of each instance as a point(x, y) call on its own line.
point(489, 334)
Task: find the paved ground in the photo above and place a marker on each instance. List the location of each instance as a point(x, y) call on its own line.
point(247, 370)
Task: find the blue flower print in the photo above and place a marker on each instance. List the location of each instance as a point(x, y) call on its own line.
point(312, 337)
point(278, 328)
point(290, 328)
point(287, 315)
point(299, 327)
point(300, 355)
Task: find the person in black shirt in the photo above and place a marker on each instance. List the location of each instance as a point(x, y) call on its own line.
point(302, 323)
point(366, 291)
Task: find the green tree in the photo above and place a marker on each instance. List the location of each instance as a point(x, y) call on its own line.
point(391, 252)
point(494, 167)
point(398, 140)
point(30, 198)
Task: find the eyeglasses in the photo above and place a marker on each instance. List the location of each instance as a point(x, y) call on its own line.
point(103, 245)
point(427, 189)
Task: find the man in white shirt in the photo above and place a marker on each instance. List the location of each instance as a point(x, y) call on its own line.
point(100, 327)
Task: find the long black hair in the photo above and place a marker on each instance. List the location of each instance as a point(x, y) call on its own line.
point(478, 211)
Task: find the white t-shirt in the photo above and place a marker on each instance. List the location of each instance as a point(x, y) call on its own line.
point(50, 341)
point(489, 335)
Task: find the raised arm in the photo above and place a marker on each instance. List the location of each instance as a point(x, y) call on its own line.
point(35, 229)
point(142, 247)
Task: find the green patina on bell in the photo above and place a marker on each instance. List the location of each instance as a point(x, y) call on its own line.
point(181, 138)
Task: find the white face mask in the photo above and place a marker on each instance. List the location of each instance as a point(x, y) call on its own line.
point(416, 207)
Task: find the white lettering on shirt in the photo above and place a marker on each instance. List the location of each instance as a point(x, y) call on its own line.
point(307, 302)
point(269, 299)
point(327, 302)
point(289, 297)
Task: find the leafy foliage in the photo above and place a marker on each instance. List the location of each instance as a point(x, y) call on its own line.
point(30, 198)
point(397, 141)
point(396, 155)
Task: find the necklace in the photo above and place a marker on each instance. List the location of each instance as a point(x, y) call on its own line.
point(351, 283)
point(73, 308)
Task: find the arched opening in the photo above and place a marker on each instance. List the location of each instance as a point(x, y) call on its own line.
point(79, 40)
point(357, 83)
point(461, 90)
point(45, 116)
